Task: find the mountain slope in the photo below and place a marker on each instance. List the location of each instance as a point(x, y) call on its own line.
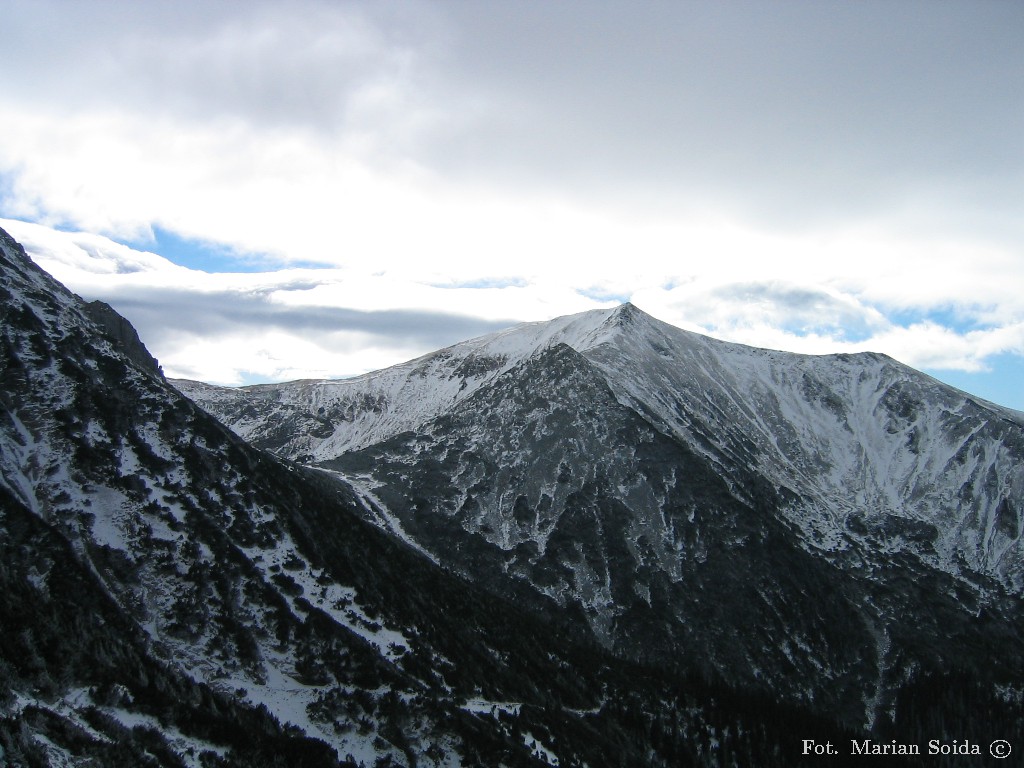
point(820, 527)
point(846, 433)
point(856, 435)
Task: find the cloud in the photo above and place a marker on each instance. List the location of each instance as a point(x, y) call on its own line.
point(294, 323)
point(796, 309)
point(794, 116)
point(327, 67)
point(234, 337)
point(809, 176)
point(796, 113)
point(256, 313)
point(236, 328)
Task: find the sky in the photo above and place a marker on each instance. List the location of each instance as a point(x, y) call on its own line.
point(318, 188)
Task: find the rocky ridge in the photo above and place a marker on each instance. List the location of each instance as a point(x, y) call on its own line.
point(814, 525)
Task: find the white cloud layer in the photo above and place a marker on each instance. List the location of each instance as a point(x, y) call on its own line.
point(810, 176)
point(308, 323)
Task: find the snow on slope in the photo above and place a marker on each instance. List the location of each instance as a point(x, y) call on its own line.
point(859, 441)
point(321, 419)
point(857, 437)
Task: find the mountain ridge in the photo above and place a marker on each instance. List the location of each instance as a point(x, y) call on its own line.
point(607, 592)
point(687, 385)
point(517, 456)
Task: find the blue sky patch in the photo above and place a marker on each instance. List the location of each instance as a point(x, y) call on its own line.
point(602, 296)
point(197, 254)
point(211, 257)
point(959, 319)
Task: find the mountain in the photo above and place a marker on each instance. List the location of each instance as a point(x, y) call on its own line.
point(821, 529)
point(171, 595)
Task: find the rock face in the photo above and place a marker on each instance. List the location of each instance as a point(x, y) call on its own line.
point(817, 526)
point(517, 551)
point(121, 332)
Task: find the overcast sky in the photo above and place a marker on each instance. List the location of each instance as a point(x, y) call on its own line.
point(338, 186)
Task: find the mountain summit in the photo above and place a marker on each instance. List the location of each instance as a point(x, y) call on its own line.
point(814, 526)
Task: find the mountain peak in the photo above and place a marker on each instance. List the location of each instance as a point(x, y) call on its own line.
point(627, 313)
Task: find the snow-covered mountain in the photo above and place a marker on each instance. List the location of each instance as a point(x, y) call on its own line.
point(536, 548)
point(853, 436)
point(819, 525)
